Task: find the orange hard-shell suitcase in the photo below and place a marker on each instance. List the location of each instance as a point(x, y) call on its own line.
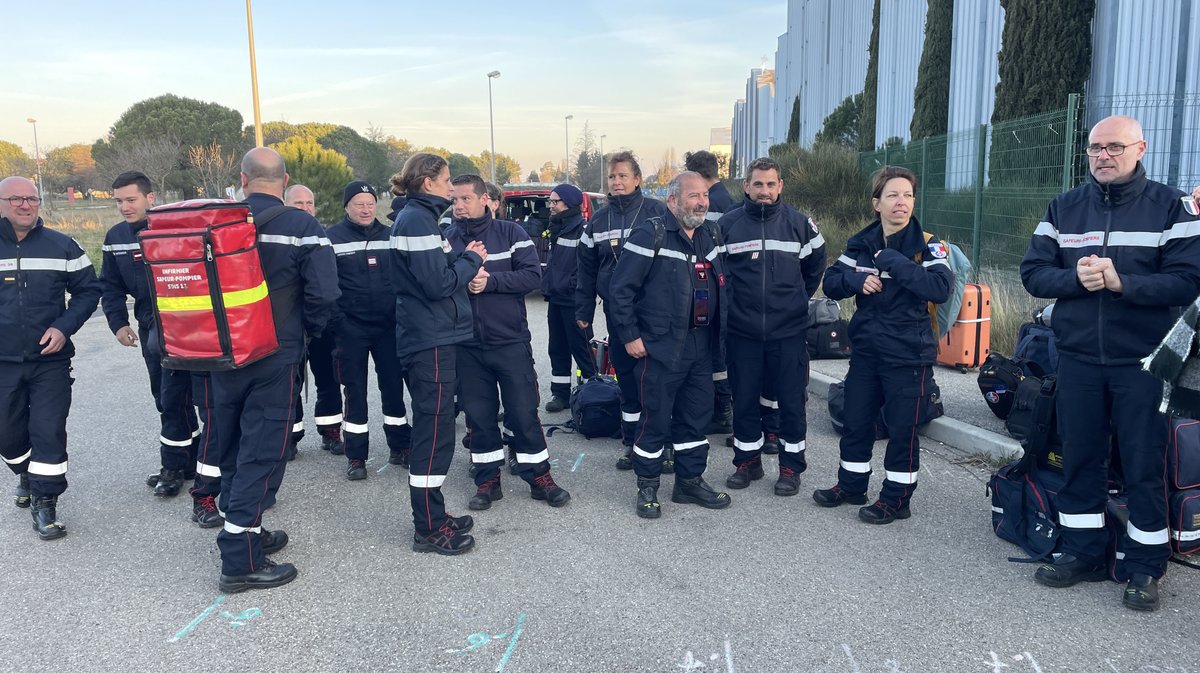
point(968, 342)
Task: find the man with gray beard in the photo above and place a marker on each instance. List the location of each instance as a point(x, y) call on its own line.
point(669, 303)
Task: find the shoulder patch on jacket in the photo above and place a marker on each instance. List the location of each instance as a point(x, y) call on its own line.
point(812, 225)
point(938, 250)
point(1189, 204)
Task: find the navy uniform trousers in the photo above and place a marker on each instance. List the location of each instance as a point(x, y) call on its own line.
point(254, 407)
point(567, 341)
point(625, 366)
point(487, 376)
point(676, 408)
point(1090, 397)
point(432, 380)
point(768, 375)
point(35, 398)
point(208, 447)
point(355, 342)
point(328, 410)
point(172, 390)
point(899, 391)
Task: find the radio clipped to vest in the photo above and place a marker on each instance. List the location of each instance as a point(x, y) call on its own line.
point(209, 292)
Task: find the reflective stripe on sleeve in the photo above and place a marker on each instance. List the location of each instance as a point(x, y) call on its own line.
point(1046, 229)
point(847, 261)
point(901, 477)
point(426, 480)
point(416, 243)
point(1188, 229)
point(639, 250)
point(857, 468)
point(509, 253)
point(1081, 520)
point(936, 262)
point(297, 241)
point(119, 247)
point(47, 469)
point(567, 242)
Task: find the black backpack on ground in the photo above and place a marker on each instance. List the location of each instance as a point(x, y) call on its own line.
point(596, 408)
point(998, 379)
point(1032, 402)
point(931, 408)
point(828, 341)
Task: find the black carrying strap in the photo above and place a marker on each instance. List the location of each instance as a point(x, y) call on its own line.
point(1042, 426)
point(283, 299)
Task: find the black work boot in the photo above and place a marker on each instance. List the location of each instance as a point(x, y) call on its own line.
point(204, 512)
point(272, 540)
point(832, 497)
point(21, 496)
point(331, 440)
point(668, 464)
point(487, 493)
point(460, 524)
point(696, 491)
point(788, 482)
point(1141, 593)
point(648, 506)
point(544, 488)
point(399, 457)
point(1067, 570)
point(771, 444)
point(445, 541)
point(356, 470)
point(45, 517)
point(747, 472)
point(169, 483)
point(625, 462)
point(557, 403)
point(271, 575)
point(880, 513)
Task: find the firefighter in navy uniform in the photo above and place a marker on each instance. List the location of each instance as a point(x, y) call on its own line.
point(600, 246)
point(496, 363)
point(255, 405)
point(122, 275)
point(1118, 254)
point(669, 305)
point(38, 266)
point(366, 326)
point(327, 413)
point(432, 315)
point(893, 273)
point(566, 339)
point(775, 257)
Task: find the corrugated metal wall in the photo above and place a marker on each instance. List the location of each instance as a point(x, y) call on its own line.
point(783, 102)
point(974, 73)
point(901, 39)
point(832, 59)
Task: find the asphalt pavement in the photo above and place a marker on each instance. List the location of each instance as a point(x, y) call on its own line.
point(769, 585)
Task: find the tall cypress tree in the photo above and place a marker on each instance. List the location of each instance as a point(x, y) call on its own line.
point(866, 122)
point(931, 97)
point(793, 135)
point(1045, 54)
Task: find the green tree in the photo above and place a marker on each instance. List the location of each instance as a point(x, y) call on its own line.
point(533, 177)
point(842, 126)
point(866, 119)
point(931, 97)
point(461, 164)
point(507, 168)
point(368, 160)
point(14, 161)
point(70, 166)
point(1045, 54)
point(169, 121)
point(548, 172)
point(323, 171)
point(793, 134)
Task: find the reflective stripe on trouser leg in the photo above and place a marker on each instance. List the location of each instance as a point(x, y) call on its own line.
point(692, 409)
point(653, 429)
point(350, 366)
point(512, 365)
point(14, 416)
point(327, 411)
point(177, 418)
point(788, 367)
point(479, 397)
point(903, 390)
point(1142, 437)
point(432, 379)
point(49, 394)
point(745, 360)
point(559, 351)
point(864, 397)
point(208, 457)
point(390, 375)
point(627, 380)
point(255, 404)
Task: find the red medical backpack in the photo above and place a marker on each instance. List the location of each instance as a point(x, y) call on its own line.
point(210, 296)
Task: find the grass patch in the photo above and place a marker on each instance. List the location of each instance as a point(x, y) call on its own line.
point(86, 224)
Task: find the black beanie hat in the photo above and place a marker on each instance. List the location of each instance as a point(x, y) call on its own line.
point(570, 195)
point(354, 189)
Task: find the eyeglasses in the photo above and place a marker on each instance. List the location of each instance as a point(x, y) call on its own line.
point(15, 201)
point(554, 202)
point(1113, 149)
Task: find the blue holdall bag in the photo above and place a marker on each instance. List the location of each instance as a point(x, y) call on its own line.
point(1036, 344)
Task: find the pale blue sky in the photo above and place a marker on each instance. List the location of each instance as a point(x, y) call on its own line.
point(649, 75)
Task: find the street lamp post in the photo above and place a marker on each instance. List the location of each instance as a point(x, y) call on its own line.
point(37, 157)
point(258, 134)
point(491, 126)
point(602, 137)
point(567, 147)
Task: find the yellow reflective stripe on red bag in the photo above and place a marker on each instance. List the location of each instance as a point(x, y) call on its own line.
point(204, 302)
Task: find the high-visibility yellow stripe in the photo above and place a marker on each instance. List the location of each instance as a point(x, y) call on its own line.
point(204, 302)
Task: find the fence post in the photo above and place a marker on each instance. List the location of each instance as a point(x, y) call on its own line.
point(980, 173)
point(885, 155)
point(1069, 145)
point(924, 177)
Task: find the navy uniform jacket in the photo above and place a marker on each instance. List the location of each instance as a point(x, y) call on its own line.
point(1154, 243)
point(719, 202)
point(601, 244)
point(429, 278)
point(35, 276)
point(893, 325)
point(499, 311)
point(560, 279)
point(124, 274)
point(652, 293)
point(775, 257)
point(364, 265)
point(301, 276)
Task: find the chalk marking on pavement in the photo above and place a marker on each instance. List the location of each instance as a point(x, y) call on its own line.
point(927, 470)
point(1033, 662)
point(729, 656)
point(853, 663)
point(1110, 665)
point(199, 618)
point(512, 643)
point(385, 466)
point(240, 620)
point(578, 461)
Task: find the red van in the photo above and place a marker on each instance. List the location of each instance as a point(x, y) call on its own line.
point(527, 204)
